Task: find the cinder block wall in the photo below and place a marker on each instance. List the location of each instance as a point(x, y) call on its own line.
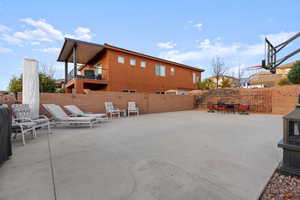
point(276, 100)
point(285, 98)
point(7, 99)
point(148, 103)
point(259, 99)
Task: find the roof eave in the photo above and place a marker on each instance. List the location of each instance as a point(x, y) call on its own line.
point(76, 42)
point(62, 49)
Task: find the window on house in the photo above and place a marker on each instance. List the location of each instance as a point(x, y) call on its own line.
point(160, 70)
point(132, 62)
point(98, 69)
point(172, 70)
point(157, 70)
point(121, 59)
point(194, 77)
point(143, 64)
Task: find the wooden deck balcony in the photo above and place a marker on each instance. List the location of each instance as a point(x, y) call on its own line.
point(88, 81)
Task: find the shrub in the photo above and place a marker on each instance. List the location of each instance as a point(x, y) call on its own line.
point(60, 90)
point(284, 81)
point(206, 84)
point(225, 83)
point(47, 84)
point(294, 74)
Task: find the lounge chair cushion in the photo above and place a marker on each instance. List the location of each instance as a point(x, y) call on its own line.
point(41, 121)
point(94, 115)
point(77, 112)
point(78, 119)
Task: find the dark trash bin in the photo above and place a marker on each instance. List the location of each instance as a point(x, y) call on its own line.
point(5, 134)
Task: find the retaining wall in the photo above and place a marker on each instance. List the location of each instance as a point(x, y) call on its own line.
point(147, 103)
point(276, 100)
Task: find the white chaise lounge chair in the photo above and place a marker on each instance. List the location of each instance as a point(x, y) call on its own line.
point(78, 113)
point(132, 108)
point(110, 110)
point(60, 117)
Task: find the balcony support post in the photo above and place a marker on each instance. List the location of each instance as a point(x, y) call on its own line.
point(75, 60)
point(66, 72)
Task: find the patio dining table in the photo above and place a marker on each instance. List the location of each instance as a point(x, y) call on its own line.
point(232, 107)
point(228, 107)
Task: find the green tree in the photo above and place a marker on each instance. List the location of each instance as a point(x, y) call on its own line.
point(206, 84)
point(294, 74)
point(15, 85)
point(47, 84)
point(226, 83)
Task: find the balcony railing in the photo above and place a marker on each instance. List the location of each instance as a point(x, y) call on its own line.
point(88, 74)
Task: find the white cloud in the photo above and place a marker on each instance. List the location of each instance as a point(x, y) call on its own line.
point(278, 38)
point(37, 31)
point(11, 39)
point(33, 35)
point(207, 49)
point(4, 28)
point(253, 49)
point(42, 31)
point(49, 32)
point(198, 26)
point(178, 56)
point(205, 44)
point(259, 48)
point(81, 33)
point(35, 43)
point(166, 45)
point(5, 50)
point(49, 50)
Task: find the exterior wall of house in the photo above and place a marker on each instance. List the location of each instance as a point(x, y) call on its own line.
point(102, 62)
point(284, 71)
point(136, 78)
point(122, 77)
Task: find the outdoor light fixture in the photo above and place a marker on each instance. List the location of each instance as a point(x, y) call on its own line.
point(291, 142)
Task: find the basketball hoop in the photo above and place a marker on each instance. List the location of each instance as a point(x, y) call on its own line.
point(255, 67)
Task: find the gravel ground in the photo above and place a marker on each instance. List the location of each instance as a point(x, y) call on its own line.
point(282, 187)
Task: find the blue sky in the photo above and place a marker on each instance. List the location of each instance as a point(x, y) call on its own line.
point(189, 32)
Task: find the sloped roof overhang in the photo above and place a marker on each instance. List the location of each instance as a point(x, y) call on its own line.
point(85, 51)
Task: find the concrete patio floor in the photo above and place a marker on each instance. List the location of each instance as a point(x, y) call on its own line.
point(179, 155)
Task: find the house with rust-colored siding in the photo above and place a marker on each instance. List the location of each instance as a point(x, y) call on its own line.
point(109, 68)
